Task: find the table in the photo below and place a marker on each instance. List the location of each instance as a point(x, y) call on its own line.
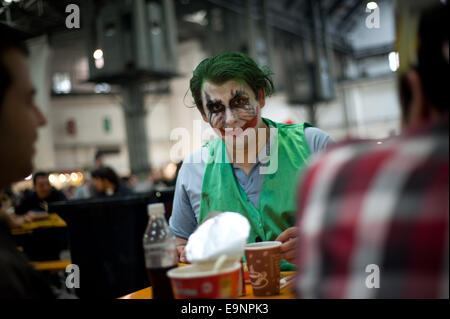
point(42, 240)
point(51, 265)
point(285, 293)
point(53, 221)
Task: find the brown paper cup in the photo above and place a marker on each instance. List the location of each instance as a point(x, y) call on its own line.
point(263, 262)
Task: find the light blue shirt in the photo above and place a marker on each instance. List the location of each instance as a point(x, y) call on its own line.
point(186, 203)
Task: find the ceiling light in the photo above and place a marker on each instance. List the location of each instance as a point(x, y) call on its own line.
point(98, 54)
point(372, 5)
point(393, 61)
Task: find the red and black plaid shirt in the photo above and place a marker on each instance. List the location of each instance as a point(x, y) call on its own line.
point(374, 219)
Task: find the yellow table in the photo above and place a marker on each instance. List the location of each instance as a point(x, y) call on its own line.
point(285, 293)
point(31, 233)
point(51, 265)
point(52, 221)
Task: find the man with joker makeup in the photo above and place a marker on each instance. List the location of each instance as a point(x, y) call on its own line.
point(252, 167)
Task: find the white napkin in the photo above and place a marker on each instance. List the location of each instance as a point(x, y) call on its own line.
point(224, 234)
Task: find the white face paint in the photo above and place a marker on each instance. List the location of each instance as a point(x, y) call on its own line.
point(233, 111)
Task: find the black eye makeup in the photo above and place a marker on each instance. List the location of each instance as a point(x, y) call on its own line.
point(240, 99)
point(214, 106)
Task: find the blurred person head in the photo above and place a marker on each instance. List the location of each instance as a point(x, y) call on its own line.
point(41, 185)
point(424, 61)
point(132, 180)
point(229, 90)
point(19, 115)
point(98, 160)
point(6, 199)
point(105, 180)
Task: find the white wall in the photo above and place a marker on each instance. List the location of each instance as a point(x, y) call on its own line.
point(88, 112)
point(372, 109)
point(74, 152)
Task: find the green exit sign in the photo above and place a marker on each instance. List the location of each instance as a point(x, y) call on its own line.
point(106, 124)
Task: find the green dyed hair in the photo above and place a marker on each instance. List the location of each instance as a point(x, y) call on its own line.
point(227, 66)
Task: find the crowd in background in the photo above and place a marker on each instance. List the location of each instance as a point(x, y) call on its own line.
point(30, 204)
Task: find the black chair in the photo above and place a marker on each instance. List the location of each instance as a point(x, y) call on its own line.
point(105, 237)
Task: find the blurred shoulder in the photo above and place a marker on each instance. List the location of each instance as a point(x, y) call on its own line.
point(317, 139)
point(198, 156)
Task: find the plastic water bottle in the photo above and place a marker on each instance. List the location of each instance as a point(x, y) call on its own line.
point(160, 251)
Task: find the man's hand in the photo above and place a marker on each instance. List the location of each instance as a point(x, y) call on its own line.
point(181, 245)
point(289, 244)
point(16, 221)
point(33, 216)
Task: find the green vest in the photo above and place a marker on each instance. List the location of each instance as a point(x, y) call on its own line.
point(276, 208)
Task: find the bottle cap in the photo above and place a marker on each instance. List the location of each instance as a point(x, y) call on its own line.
point(156, 208)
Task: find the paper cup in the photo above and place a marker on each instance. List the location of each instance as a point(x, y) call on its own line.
point(200, 281)
point(263, 262)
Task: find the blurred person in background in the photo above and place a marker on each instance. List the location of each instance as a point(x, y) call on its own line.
point(69, 191)
point(130, 181)
point(98, 160)
point(35, 205)
point(19, 120)
point(144, 185)
point(7, 200)
point(374, 219)
point(107, 183)
point(229, 90)
point(84, 191)
point(87, 190)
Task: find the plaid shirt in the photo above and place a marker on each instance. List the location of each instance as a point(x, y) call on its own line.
point(374, 218)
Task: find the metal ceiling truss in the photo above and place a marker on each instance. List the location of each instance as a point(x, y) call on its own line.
point(286, 17)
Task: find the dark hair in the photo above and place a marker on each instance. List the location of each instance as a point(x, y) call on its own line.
point(405, 94)
point(39, 174)
point(107, 173)
point(9, 40)
point(432, 66)
point(230, 66)
point(98, 155)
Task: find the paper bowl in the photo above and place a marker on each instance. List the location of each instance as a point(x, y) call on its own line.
point(197, 281)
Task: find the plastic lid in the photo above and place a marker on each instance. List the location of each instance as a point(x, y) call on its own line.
point(157, 208)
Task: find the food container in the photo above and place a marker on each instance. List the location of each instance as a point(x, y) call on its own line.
point(201, 281)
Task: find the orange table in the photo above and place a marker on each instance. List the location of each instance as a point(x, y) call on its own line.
point(285, 293)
